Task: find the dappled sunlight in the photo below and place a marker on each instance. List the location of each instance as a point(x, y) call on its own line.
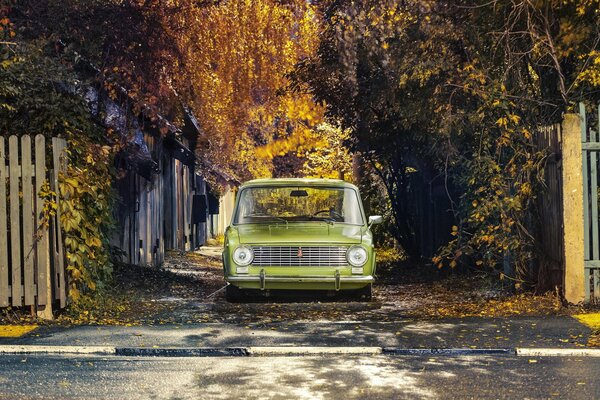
point(317, 378)
point(428, 328)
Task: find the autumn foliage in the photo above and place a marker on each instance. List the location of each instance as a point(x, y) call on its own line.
point(454, 91)
point(436, 102)
point(239, 56)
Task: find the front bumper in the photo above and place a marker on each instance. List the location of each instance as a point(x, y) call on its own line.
point(335, 281)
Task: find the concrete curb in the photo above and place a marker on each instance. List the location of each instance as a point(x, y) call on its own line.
point(306, 350)
point(182, 352)
point(445, 352)
point(35, 349)
point(549, 352)
point(290, 351)
point(239, 351)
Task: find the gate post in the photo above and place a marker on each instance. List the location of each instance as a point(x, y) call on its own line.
point(573, 192)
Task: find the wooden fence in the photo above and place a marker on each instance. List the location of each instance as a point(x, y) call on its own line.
point(550, 230)
point(32, 269)
point(569, 213)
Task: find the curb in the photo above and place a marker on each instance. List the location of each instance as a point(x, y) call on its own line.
point(239, 351)
point(549, 352)
point(290, 351)
point(306, 350)
point(35, 349)
point(445, 352)
point(182, 352)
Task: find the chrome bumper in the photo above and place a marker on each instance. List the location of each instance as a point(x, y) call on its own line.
point(337, 279)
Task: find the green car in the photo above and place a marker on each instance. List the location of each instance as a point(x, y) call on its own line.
point(299, 234)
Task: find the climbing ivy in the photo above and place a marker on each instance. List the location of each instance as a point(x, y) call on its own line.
point(39, 95)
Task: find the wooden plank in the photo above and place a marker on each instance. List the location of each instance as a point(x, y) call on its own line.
point(178, 207)
point(586, 188)
point(583, 118)
point(132, 245)
point(4, 294)
point(59, 162)
point(150, 222)
point(591, 264)
point(591, 146)
point(161, 214)
point(594, 195)
point(27, 189)
point(41, 248)
point(154, 202)
point(141, 216)
point(586, 279)
point(6, 168)
point(596, 284)
point(136, 220)
point(186, 197)
point(172, 196)
point(148, 234)
point(15, 220)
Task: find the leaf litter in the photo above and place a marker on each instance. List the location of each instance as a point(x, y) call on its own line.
point(187, 290)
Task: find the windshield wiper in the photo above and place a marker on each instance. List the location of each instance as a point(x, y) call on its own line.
point(268, 216)
point(280, 219)
point(312, 218)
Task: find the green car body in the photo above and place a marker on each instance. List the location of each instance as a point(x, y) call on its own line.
point(299, 252)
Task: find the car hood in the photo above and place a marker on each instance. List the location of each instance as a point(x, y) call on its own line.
point(299, 233)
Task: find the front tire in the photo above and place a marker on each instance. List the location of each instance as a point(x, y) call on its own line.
point(233, 294)
point(365, 293)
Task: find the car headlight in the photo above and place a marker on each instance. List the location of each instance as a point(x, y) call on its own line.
point(357, 256)
point(243, 256)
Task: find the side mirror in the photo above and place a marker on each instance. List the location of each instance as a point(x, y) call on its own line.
point(375, 219)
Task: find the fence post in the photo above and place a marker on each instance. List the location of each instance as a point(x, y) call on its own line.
point(573, 192)
point(4, 293)
point(29, 289)
point(15, 225)
point(44, 303)
point(59, 161)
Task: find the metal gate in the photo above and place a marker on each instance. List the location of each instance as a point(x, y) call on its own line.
point(590, 145)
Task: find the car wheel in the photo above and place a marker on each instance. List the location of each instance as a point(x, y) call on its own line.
point(365, 293)
point(233, 294)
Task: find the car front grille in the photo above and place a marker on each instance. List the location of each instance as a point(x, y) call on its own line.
point(300, 256)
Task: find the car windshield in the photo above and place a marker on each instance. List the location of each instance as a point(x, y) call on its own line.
point(298, 204)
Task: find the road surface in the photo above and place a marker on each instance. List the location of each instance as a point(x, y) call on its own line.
point(301, 377)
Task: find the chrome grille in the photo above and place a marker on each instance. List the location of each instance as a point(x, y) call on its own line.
point(289, 256)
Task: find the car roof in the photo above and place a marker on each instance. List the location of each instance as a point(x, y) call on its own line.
point(298, 182)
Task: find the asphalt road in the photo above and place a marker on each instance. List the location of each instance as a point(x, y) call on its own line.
point(337, 377)
point(449, 333)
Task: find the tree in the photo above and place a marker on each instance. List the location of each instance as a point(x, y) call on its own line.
point(329, 157)
point(529, 62)
point(377, 70)
point(227, 61)
point(457, 89)
point(239, 58)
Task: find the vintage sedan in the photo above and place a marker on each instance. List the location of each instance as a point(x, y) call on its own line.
point(299, 234)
